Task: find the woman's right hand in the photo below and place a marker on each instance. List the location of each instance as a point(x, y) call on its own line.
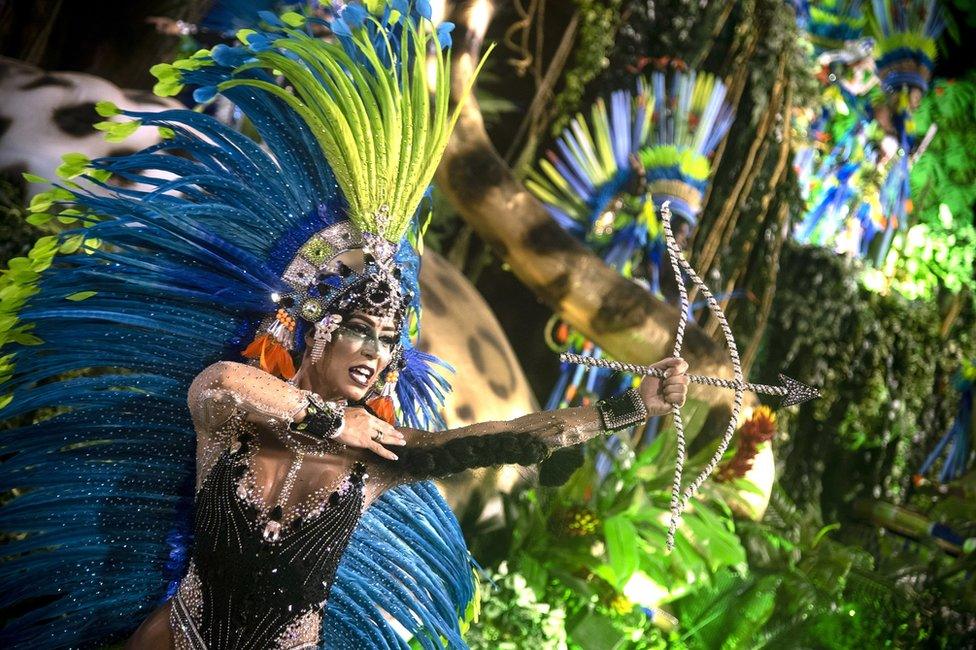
point(366, 431)
point(661, 395)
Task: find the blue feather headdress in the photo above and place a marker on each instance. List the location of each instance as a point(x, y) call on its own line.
point(830, 24)
point(906, 34)
point(103, 328)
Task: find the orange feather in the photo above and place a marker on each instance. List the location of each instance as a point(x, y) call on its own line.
point(383, 408)
point(271, 355)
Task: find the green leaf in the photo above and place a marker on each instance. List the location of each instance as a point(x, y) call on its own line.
point(34, 178)
point(118, 131)
point(25, 339)
point(72, 244)
point(81, 295)
point(11, 292)
point(606, 572)
point(169, 88)
point(596, 632)
point(535, 573)
point(21, 275)
point(41, 202)
point(20, 264)
point(244, 34)
point(107, 109)
point(43, 247)
point(73, 164)
point(713, 540)
point(61, 194)
point(621, 536)
point(293, 19)
point(38, 218)
point(163, 71)
point(101, 175)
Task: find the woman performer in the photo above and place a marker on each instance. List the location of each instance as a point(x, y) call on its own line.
point(286, 468)
point(310, 252)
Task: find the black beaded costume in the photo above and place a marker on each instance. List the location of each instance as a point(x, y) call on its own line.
point(243, 590)
point(261, 570)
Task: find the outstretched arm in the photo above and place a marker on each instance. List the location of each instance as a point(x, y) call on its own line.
point(526, 440)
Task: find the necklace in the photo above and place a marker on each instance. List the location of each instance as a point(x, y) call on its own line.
point(272, 522)
point(272, 529)
point(290, 439)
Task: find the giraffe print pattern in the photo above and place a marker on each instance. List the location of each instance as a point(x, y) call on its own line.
point(45, 115)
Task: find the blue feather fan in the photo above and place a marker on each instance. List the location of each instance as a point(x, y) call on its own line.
point(103, 473)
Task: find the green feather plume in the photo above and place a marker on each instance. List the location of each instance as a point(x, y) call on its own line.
point(383, 130)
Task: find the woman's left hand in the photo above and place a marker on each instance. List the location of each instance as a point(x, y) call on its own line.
point(660, 395)
point(363, 430)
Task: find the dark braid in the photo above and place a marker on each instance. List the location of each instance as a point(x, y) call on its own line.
point(469, 452)
point(556, 470)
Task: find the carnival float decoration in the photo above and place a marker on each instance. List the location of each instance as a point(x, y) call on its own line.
point(605, 181)
point(855, 167)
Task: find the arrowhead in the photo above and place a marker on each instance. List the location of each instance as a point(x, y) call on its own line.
point(796, 392)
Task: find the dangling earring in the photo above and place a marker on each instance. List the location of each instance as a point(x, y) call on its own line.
point(382, 406)
point(323, 335)
point(389, 383)
point(273, 343)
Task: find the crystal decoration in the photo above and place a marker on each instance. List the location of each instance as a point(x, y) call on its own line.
point(272, 531)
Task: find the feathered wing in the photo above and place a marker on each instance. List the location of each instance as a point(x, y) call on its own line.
point(104, 327)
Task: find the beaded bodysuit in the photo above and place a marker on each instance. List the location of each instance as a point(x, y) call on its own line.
point(245, 587)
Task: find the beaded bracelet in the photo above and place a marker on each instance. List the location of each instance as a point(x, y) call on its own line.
point(623, 411)
point(323, 420)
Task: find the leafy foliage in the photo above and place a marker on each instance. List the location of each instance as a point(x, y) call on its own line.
point(941, 249)
point(807, 589)
point(596, 545)
point(513, 617)
point(598, 24)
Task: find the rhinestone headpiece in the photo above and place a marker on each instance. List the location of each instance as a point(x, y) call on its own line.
point(324, 286)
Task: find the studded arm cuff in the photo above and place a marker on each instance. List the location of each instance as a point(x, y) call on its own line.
point(323, 420)
point(623, 411)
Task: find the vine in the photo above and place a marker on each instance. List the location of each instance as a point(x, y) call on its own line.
point(599, 22)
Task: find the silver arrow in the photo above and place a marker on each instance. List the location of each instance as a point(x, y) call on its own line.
point(792, 391)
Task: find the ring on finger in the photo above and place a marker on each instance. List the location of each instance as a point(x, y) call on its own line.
point(377, 436)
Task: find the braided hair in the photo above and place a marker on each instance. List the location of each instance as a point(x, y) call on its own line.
point(469, 452)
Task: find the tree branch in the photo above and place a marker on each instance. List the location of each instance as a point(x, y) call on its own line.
point(616, 313)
